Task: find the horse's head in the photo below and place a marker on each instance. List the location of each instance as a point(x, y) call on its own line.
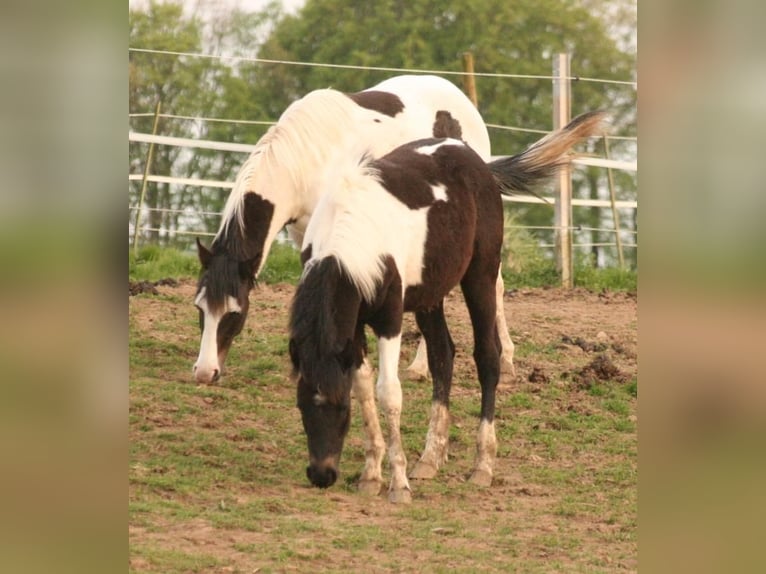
point(324, 399)
point(222, 300)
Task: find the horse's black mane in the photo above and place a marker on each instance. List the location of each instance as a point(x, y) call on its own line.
point(314, 331)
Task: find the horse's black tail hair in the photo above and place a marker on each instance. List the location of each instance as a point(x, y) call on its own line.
point(522, 173)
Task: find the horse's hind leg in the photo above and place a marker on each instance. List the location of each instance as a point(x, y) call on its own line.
point(371, 480)
point(506, 363)
point(418, 369)
point(480, 299)
point(441, 353)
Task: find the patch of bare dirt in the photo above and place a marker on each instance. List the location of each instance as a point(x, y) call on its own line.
point(601, 368)
point(139, 287)
point(586, 337)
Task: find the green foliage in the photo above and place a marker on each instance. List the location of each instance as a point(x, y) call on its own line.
point(517, 37)
point(527, 264)
point(191, 87)
point(513, 37)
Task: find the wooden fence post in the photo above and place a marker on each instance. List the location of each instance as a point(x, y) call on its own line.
point(563, 206)
point(147, 168)
point(469, 81)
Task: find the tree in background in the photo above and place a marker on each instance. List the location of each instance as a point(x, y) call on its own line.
point(191, 87)
point(171, 82)
point(518, 37)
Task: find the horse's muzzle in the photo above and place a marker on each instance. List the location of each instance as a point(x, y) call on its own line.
point(206, 376)
point(322, 477)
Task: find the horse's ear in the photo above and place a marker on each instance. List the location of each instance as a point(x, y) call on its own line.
point(248, 268)
point(203, 253)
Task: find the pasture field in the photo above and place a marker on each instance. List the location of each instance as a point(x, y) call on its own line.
point(217, 473)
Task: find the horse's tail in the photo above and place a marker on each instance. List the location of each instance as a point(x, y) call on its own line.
point(523, 172)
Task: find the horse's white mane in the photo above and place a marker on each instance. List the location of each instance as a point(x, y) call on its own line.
point(290, 153)
point(351, 223)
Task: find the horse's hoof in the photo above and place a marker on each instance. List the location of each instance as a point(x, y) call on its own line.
point(400, 496)
point(423, 471)
point(370, 487)
point(507, 367)
point(415, 372)
point(481, 478)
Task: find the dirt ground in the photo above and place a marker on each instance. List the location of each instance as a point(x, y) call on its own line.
point(591, 337)
point(576, 321)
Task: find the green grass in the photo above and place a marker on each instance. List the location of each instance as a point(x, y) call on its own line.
point(526, 264)
point(530, 268)
point(232, 457)
point(282, 265)
point(541, 272)
point(600, 279)
point(152, 263)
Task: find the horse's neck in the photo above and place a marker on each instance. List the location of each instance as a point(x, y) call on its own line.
point(291, 170)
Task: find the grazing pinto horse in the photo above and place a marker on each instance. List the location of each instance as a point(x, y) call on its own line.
point(278, 186)
point(395, 235)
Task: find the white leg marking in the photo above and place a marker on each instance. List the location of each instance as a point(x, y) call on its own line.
point(371, 480)
point(486, 451)
point(437, 441)
point(389, 390)
point(419, 367)
point(506, 358)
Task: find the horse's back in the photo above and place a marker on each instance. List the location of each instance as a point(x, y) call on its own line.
point(463, 193)
point(426, 99)
point(420, 204)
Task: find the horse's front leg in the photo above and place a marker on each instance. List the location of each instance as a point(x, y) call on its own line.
point(371, 480)
point(389, 390)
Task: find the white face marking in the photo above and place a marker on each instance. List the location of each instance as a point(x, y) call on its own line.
point(200, 300)
point(440, 192)
point(319, 399)
point(207, 361)
point(232, 305)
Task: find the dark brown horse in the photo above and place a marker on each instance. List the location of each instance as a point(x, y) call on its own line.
point(395, 235)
